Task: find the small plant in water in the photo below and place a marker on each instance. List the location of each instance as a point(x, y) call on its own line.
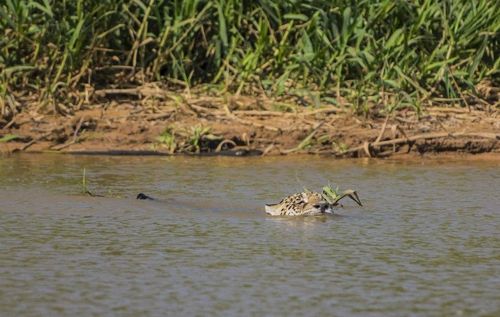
point(85, 188)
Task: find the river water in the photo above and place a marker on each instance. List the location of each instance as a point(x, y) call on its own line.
point(426, 242)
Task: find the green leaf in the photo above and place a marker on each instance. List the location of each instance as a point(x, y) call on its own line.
point(222, 25)
point(391, 83)
point(76, 35)
point(293, 16)
point(395, 39)
point(19, 68)
point(46, 9)
point(8, 137)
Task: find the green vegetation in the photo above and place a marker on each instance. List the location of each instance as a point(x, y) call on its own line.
point(358, 53)
point(85, 189)
point(8, 137)
point(197, 134)
point(194, 139)
point(167, 140)
point(333, 196)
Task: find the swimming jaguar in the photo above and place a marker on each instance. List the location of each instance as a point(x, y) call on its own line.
point(308, 204)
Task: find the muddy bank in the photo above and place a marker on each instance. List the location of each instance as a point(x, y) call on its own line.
point(246, 126)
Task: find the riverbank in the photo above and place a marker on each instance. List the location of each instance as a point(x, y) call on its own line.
point(152, 121)
point(373, 79)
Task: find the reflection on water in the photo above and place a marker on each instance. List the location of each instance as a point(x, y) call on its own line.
point(426, 242)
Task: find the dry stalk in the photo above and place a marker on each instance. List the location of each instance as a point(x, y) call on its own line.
point(74, 139)
point(38, 139)
point(383, 129)
point(427, 136)
point(306, 140)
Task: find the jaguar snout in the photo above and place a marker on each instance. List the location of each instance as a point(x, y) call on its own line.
point(323, 207)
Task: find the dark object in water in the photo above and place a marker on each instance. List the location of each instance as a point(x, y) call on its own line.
point(142, 196)
point(91, 194)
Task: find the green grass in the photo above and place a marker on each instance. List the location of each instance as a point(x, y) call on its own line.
point(167, 139)
point(85, 188)
point(8, 137)
point(392, 53)
point(194, 139)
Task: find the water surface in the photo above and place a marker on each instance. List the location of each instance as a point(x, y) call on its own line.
point(426, 243)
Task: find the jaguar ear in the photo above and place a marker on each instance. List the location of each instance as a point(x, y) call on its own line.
point(305, 197)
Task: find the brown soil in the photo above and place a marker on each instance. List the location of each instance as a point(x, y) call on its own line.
point(124, 122)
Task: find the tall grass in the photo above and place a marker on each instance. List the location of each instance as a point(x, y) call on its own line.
point(360, 50)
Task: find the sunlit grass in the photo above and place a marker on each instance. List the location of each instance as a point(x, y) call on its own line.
point(395, 53)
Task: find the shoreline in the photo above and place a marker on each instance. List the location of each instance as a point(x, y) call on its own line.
point(409, 157)
point(249, 126)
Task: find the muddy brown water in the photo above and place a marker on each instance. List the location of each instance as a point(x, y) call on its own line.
point(426, 243)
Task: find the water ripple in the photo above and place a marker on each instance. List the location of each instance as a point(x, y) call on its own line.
point(426, 242)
